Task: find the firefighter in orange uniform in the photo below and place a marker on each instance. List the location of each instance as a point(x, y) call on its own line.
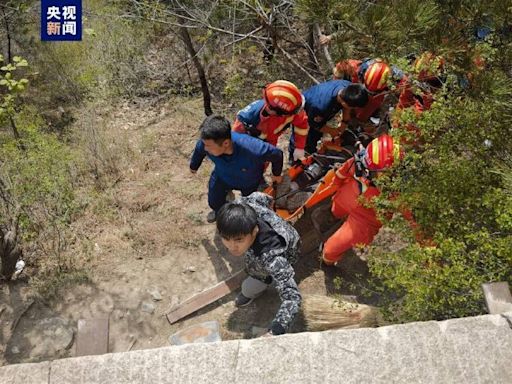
point(374, 74)
point(353, 180)
point(282, 106)
point(429, 73)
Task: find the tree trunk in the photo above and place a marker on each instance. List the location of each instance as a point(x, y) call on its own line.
point(8, 35)
point(199, 67)
point(10, 252)
point(15, 131)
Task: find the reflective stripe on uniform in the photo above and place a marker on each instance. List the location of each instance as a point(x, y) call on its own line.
point(375, 154)
point(283, 125)
point(300, 131)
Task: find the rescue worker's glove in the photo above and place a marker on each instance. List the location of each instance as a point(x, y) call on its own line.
point(298, 154)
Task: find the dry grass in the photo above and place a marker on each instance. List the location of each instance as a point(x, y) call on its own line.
point(322, 313)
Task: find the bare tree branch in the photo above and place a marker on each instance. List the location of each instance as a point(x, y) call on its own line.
point(324, 47)
point(244, 37)
point(294, 62)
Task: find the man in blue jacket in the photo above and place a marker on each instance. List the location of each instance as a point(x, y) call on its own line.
point(324, 101)
point(239, 161)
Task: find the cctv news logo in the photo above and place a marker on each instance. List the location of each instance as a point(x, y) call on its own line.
point(61, 20)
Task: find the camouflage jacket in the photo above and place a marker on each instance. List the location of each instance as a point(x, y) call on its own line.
point(276, 263)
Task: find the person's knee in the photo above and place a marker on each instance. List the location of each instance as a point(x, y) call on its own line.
point(333, 251)
point(253, 288)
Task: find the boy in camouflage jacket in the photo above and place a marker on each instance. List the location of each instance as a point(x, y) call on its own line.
point(270, 246)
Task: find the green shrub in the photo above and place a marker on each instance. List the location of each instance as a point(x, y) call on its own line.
point(459, 200)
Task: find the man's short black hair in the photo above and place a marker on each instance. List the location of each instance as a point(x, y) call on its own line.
point(236, 219)
point(216, 128)
point(355, 95)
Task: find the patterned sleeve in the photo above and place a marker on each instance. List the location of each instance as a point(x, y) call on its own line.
point(259, 198)
point(283, 275)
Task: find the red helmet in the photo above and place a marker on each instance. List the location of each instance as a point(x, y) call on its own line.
point(381, 153)
point(428, 66)
point(376, 76)
point(283, 97)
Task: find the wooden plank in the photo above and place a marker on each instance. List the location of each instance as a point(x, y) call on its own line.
point(497, 297)
point(92, 337)
point(206, 297)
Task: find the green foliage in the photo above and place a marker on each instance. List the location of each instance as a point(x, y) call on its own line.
point(456, 185)
point(376, 28)
point(108, 62)
point(37, 174)
point(457, 178)
point(10, 87)
point(36, 179)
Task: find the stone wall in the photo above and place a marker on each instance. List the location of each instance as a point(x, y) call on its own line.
point(468, 350)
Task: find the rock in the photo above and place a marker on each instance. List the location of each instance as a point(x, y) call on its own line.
point(50, 338)
point(190, 269)
point(155, 294)
point(147, 307)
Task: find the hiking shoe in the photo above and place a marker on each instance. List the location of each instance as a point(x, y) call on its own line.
point(211, 217)
point(242, 301)
point(324, 260)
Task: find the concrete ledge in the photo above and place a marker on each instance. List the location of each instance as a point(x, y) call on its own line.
point(25, 373)
point(469, 350)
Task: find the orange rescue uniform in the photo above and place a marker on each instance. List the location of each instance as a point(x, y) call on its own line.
point(254, 121)
point(361, 223)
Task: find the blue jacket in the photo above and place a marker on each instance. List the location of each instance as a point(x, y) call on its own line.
point(321, 104)
point(250, 116)
point(244, 168)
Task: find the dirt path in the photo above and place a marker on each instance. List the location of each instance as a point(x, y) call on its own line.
point(152, 249)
